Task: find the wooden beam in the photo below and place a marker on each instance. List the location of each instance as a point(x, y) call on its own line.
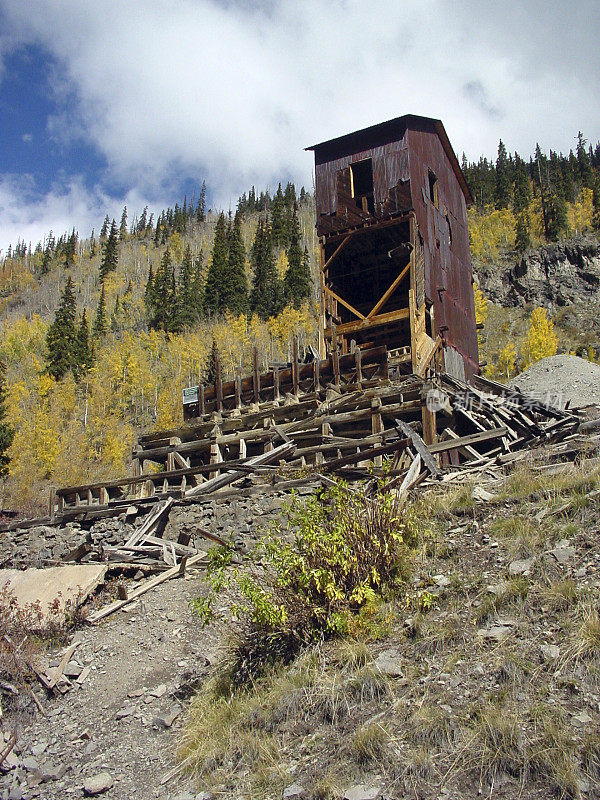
point(341, 300)
point(255, 376)
point(213, 484)
point(295, 367)
point(336, 253)
point(472, 438)
point(96, 616)
point(381, 319)
point(357, 360)
point(386, 296)
point(218, 383)
point(420, 447)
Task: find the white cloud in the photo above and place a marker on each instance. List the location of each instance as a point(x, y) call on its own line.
point(233, 92)
point(28, 216)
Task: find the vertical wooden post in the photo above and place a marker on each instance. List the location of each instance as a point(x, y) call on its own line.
point(218, 384)
point(202, 404)
point(358, 362)
point(51, 509)
point(238, 389)
point(429, 418)
point(326, 432)
point(335, 357)
point(276, 393)
point(268, 422)
point(215, 457)
point(295, 367)
point(376, 425)
point(242, 449)
point(317, 375)
point(255, 376)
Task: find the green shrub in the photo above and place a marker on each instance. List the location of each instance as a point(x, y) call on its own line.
point(348, 554)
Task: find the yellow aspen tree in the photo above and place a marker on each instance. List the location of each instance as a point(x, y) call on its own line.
point(506, 366)
point(541, 340)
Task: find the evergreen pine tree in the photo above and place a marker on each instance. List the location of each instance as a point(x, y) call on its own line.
point(584, 164)
point(201, 207)
point(522, 237)
point(236, 294)
point(99, 326)
point(70, 246)
point(92, 244)
point(278, 226)
point(216, 278)
point(6, 431)
point(522, 190)
point(556, 213)
point(123, 225)
point(210, 370)
point(162, 294)
point(296, 281)
point(143, 223)
point(105, 227)
point(502, 191)
point(266, 296)
point(149, 292)
point(110, 253)
point(82, 360)
point(60, 339)
point(48, 252)
point(187, 295)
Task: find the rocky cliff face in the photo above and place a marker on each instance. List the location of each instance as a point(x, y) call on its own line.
point(553, 277)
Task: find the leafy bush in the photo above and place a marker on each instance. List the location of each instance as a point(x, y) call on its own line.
point(348, 553)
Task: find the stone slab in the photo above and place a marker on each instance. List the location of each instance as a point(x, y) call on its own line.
point(73, 583)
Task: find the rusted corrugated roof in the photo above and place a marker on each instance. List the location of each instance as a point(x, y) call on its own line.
point(376, 135)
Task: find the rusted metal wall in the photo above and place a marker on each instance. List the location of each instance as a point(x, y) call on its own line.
point(390, 165)
point(448, 271)
point(406, 149)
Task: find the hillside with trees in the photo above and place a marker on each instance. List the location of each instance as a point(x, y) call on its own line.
point(101, 334)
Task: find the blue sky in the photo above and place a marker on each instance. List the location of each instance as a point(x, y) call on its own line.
point(104, 104)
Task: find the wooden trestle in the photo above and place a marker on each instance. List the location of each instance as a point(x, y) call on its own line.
point(344, 415)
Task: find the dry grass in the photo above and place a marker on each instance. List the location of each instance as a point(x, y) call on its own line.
point(522, 536)
point(509, 594)
point(466, 714)
point(369, 744)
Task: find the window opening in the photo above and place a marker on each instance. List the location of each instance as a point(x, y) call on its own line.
point(429, 324)
point(361, 183)
point(433, 188)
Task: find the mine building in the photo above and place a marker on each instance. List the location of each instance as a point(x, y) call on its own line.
point(391, 206)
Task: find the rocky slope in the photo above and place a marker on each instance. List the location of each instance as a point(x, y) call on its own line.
point(553, 276)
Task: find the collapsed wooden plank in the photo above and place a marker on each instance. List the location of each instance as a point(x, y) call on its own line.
point(420, 447)
point(96, 616)
point(61, 667)
point(472, 438)
point(153, 521)
point(284, 450)
point(410, 477)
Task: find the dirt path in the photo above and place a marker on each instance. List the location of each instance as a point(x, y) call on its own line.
point(143, 662)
